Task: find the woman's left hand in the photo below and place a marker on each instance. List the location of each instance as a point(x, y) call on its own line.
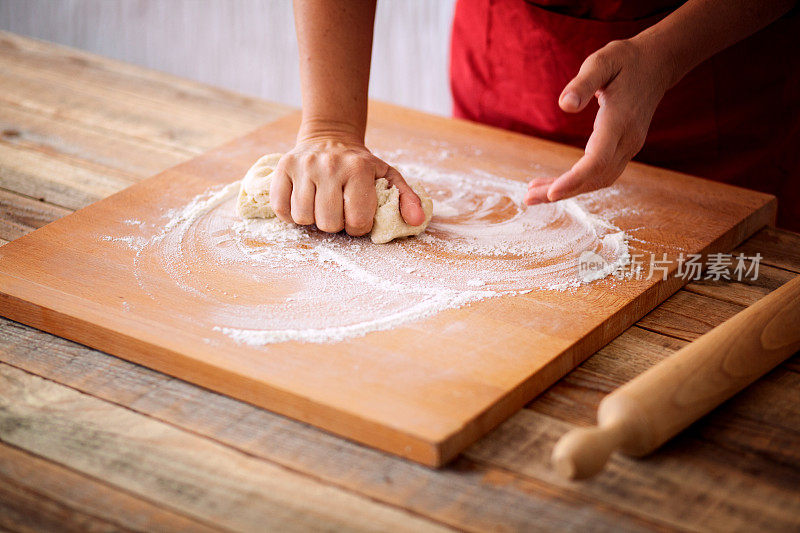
point(628, 80)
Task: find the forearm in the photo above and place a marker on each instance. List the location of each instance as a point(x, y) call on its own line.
point(335, 43)
point(701, 28)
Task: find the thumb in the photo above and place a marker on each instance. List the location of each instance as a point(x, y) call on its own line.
point(595, 73)
point(410, 204)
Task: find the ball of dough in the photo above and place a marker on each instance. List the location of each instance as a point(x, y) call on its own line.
point(253, 202)
point(389, 224)
point(253, 199)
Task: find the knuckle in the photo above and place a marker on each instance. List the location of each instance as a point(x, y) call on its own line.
point(352, 158)
point(288, 159)
point(308, 160)
point(619, 47)
point(599, 60)
point(326, 162)
point(358, 166)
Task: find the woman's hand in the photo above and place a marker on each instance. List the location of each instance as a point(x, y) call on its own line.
point(330, 181)
point(628, 81)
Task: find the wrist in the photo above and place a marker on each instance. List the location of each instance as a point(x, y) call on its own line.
point(662, 59)
point(315, 129)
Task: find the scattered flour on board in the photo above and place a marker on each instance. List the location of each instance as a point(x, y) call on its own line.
point(274, 282)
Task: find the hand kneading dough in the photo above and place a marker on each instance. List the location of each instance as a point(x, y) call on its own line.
point(388, 225)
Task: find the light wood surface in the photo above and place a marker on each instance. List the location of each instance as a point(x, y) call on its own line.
point(738, 469)
point(643, 414)
point(490, 357)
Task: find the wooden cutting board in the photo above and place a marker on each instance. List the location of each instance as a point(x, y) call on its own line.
point(424, 390)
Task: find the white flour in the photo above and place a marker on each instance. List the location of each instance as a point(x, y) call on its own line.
point(278, 282)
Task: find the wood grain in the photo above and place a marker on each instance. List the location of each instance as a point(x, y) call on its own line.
point(217, 485)
point(66, 184)
point(678, 316)
point(741, 293)
point(108, 96)
point(60, 139)
point(22, 215)
point(36, 495)
point(779, 247)
point(452, 401)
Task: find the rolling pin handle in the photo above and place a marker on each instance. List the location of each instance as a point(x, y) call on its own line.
point(583, 452)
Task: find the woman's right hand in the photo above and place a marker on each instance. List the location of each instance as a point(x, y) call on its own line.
point(330, 181)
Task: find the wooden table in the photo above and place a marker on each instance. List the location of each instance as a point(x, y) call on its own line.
point(89, 441)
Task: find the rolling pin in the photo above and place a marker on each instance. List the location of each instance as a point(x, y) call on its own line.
point(643, 414)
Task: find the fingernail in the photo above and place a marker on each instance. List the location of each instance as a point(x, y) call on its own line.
point(571, 100)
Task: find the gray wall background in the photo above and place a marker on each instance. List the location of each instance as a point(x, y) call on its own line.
point(245, 45)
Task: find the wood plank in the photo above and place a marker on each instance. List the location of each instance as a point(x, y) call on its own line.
point(22, 510)
point(465, 495)
point(142, 119)
point(443, 403)
point(745, 292)
point(687, 315)
point(179, 470)
point(37, 495)
point(171, 123)
point(20, 215)
point(61, 139)
point(574, 398)
point(34, 174)
point(779, 248)
point(118, 76)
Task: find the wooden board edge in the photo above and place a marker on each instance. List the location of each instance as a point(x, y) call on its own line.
point(222, 381)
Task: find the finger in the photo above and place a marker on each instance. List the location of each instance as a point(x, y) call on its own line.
point(595, 73)
point(303, 195)
point(537, 195)
point(360, 204)
point(601, 159)
point(280, 192)
point(328, 208)
point(536, 182)
point(410, 204)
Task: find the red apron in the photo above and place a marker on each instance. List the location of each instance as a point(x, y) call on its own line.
point(735, 118)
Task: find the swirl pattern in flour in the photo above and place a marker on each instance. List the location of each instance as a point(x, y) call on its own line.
point(276, 282)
